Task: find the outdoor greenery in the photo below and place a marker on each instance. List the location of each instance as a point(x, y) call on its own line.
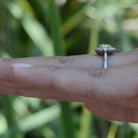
point(30, 28)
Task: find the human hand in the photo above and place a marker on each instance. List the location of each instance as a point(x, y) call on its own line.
point(110, 93)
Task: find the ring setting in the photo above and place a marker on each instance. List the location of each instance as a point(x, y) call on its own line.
point(105, 50)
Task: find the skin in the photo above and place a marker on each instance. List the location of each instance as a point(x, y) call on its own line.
point(110, 93)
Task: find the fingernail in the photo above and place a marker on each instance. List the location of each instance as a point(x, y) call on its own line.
point(22, 65)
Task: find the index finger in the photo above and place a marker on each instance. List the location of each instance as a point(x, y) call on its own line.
point(82, 61)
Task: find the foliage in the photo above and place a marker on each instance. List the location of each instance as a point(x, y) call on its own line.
point(56, 27)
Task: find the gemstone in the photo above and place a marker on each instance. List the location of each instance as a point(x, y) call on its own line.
point(105, 48)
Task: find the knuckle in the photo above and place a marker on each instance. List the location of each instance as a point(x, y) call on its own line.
point(63, 59)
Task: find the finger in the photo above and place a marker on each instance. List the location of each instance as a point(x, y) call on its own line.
point(112, 111)
point(65, 80)
point(112, 84)
point(83, 61)
point(30, 92)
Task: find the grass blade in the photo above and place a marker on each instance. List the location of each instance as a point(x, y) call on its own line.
point(34, 121)
point(112, 130)
point(74, 18)
point(54, 23)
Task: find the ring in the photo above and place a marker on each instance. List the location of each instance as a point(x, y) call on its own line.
point(105, 50)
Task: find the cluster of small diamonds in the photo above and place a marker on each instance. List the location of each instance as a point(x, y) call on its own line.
point(105, 48)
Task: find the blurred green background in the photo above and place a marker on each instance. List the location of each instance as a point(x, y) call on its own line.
point(30, 28)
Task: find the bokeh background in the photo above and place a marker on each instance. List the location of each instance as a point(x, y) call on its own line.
point(30, 28)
